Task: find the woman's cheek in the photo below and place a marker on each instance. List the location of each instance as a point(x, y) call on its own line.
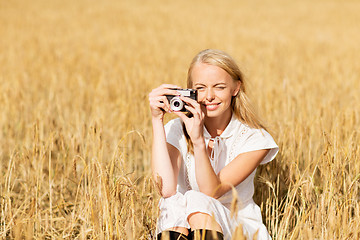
point(201, 96)
point(225, 95)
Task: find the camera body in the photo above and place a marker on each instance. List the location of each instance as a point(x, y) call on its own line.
point(176, 104)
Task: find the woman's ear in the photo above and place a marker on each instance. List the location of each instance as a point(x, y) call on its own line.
point(237, 89)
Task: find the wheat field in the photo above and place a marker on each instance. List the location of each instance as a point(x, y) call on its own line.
point(75, 124)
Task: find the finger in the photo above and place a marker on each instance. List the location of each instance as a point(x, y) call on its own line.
point(159, 105)
point(193, 103)
point(190, 101)
point(192, 110)
point(166, 102)
point(166, 87)
point(161, 90)
point(160, 101)
point(164, 91)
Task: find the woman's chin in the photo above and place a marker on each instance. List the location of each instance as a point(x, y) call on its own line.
point(214, 113)
point(218, 112)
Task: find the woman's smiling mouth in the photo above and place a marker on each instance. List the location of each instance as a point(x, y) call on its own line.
point(212, 106)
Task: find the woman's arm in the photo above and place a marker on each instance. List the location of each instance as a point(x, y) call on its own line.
point(164, 157)
point(164, 162)
point(231, 175)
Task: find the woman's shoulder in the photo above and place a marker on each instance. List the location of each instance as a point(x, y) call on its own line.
point(244, 130)
point(252, 139)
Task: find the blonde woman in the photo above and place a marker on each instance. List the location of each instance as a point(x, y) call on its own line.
point(199, 158)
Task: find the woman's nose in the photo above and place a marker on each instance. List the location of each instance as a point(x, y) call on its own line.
point(210, 95)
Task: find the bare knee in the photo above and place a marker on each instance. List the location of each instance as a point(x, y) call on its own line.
point(199, 220)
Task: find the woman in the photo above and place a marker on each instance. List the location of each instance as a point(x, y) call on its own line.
point(200, 158)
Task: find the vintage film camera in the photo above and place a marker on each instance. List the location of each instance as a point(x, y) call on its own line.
point(176, 104)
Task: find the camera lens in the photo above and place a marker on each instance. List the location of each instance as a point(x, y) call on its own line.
point(176, 104)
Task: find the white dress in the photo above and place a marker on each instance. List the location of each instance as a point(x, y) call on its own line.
point(237, 138)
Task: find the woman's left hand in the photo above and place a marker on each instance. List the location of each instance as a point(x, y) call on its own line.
point(195, 124)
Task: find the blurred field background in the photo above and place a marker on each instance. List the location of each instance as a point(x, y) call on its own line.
point(75, 124)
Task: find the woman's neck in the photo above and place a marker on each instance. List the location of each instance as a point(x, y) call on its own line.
point(216, 125)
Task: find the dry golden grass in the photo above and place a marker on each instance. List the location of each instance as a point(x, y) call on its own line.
point(75, 127)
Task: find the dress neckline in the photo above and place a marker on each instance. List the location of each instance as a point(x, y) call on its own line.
point(228, 132)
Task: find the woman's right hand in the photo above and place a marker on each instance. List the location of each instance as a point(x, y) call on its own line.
point(158, 101)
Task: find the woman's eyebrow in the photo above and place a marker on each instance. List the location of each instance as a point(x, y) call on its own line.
point(199, 84)
point(216, 84)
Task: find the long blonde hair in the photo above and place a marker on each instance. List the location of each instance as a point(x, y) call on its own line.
point(240, 105)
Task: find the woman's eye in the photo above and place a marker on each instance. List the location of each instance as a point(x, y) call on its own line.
point(221, 87)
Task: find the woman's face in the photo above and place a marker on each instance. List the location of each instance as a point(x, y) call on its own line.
point(215, 89)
